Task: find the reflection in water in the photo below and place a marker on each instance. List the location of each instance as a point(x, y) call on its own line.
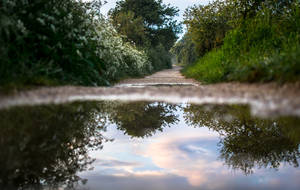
point(249, 142)
point(49, 145)
point(142, 119)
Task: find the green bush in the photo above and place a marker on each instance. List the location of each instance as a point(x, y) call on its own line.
point(160, 58)
point(185, 50)
point(209, 69)
point(262, 48)
point(63, 42)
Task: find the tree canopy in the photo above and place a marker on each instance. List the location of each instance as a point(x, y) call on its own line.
point(150, 25)
point(153, 16)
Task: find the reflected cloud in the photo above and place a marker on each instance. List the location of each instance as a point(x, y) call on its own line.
point(192, 158)
point(195, 160)
point(150, 173)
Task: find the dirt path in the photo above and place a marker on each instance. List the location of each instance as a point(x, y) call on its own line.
point(169, 77)
point(170, 86)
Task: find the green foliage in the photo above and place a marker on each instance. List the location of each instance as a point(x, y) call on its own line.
point(63, 42)
point(121, 58)
point(263, 47)
point(132, 27)
point(207, 25)
point(184, 50)
point(149, 25)
point(159, 57)
point(209, 68)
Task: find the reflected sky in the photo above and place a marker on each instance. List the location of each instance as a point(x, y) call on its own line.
point(181, 157)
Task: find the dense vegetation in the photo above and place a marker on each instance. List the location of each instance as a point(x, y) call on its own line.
point(185, 50)
point(150, 26)
point(51, 42)
point(242, 40)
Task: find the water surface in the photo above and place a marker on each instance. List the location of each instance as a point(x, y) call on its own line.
point(146, 145)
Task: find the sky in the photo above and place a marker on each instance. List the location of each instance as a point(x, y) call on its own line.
point(179, 158)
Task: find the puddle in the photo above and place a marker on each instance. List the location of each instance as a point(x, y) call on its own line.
point(101, 145)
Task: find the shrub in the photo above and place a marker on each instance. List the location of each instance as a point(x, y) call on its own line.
point(262, 48)
point(62, 42)
point(160, 58)
point(209, 69)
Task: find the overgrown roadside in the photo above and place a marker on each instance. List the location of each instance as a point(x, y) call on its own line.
point(246, 41)
point(69, 42)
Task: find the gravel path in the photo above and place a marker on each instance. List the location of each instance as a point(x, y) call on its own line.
point(169, 77)
point(170, 86)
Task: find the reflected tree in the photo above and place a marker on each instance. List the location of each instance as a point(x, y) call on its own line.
point(142, 119)
point(248, 142)
point(46, 146)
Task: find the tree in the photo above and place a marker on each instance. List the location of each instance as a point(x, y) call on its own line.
point(249, 8)
point(157, 19)
point(184, 50)
point(208, 24)
point(132, 27)
point(148, 24)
